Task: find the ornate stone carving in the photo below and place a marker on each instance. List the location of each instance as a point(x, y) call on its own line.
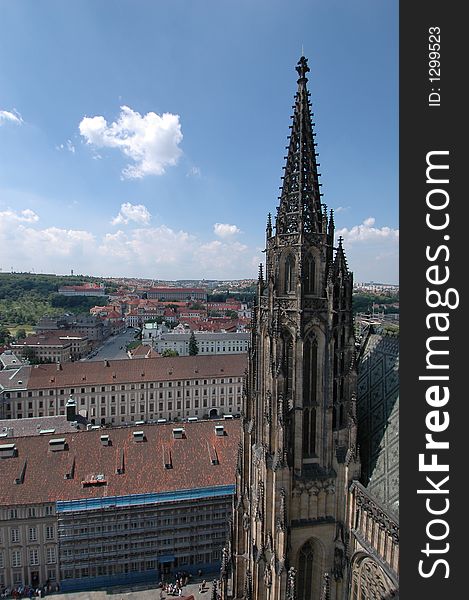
point(239, 463)
point(225, 559)
point(376, 513)
point(291, 584)
point(326, 587)
point(282, 516)
point(281, 565)
point(280, 409)
point(267, 576)
point(268, 408)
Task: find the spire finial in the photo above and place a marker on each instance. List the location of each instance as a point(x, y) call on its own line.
point(302, 68)
point(269, 226)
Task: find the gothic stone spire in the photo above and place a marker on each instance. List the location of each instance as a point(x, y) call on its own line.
point(300, 201)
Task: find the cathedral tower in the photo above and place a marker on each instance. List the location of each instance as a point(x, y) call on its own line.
point(297, 454)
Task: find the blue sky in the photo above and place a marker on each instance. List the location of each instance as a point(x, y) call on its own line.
point(146, 137)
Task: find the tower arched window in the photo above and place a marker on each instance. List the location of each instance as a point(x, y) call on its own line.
point(289, 274)
point(309, 275)
point(310, 374)
point(305, 572)
point(310, 379)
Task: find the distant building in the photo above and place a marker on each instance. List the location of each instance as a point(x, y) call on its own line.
point(92, 326)
point(178, 294)
point(90, 289)
point(207, 342)
point(44, 347)
point(49, 323)
point(105, 507)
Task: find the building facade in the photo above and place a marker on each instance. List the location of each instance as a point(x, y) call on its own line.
point(100, 508)
point(219, 342)
point(177, 294)
point(82, 290)
point(300, 512)
point(44, 347)
point(120, 392)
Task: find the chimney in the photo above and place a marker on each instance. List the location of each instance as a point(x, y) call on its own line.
point(71, 409)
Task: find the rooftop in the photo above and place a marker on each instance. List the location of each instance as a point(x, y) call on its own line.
point(138, 370)
point(126, 464)
point(26, 427)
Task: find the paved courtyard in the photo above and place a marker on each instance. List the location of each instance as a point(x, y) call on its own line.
point(137, 593)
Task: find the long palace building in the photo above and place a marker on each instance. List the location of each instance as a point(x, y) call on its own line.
point(121, 392)
point(304, 527)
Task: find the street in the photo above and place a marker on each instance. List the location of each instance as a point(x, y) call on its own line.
point(114, 347)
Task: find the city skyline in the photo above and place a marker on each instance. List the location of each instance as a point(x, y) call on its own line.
point(150, 144)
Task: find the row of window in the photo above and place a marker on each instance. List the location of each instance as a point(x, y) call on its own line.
point(32, 533)
point(16, 557)
point(135, 566)
point(132, 386)
point(25, 512)
point(17, 577)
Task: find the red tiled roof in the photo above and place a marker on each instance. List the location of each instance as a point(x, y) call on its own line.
point(144, 351)
point(136, 371)
point(144, 471)
point(27, 426)
point(113, 315)
point(163, 290)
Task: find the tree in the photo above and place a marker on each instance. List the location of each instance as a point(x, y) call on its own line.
point(30, 355)
point(21, 334)
point(169, 352)
point(5, 336)
point(193, 347)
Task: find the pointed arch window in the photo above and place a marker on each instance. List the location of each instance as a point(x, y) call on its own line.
point(309, 275)
point(309, 432)
point(310, 379)
point(305, 572)
point(289, 274)
point(310, 374)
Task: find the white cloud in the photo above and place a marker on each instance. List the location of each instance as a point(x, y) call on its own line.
point(372, 252)
point(10, 116)
point(194, 172)
point(367, 232)
point(132, 212)
point(67, 146)
point(151, 141)
point(224, 230)
point(22, 216)
point(160, 252)
point(340, 209)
